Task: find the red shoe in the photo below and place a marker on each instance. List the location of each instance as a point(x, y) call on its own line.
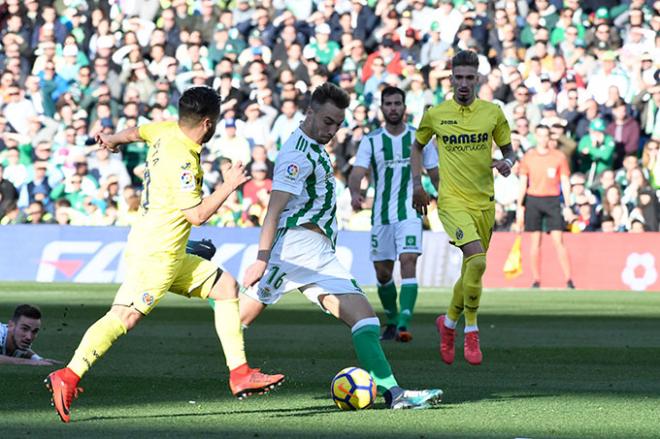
point(63, 384)
point(472, 351)
point(403, 335)
point(447, 337)
point(245, 381)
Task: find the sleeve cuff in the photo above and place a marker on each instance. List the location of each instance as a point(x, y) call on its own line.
point(284, 187)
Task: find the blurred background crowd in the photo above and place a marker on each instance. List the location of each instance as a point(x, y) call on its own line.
point(70, 69)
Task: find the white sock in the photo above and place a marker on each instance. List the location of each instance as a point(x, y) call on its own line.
point(474, 328)
point(449, 323)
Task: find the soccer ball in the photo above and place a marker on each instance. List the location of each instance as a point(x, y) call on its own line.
point(353, 389)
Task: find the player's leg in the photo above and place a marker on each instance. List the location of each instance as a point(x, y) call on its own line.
point(383, 254)
point(408, 295)
point(408, 246)
point(387, 295)
point(562, 253)
point(145, 285)
point(354, 310)
point(556, 227)
point(534, 224)
point(250, 309)
point(201, 278)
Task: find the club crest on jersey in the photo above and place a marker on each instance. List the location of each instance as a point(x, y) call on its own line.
point(459, 234)
point(264, 293)
point(292, 171)
point(147, 299)
point(187, 180)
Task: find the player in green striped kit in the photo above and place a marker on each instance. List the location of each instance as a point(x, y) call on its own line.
point(396, 226)
point(297, 246)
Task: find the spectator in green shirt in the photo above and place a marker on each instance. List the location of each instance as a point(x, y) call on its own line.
point(597, 149)
point(324, 47)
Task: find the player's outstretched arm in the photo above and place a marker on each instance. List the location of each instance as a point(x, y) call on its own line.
point(278, 200)
point(112, 142)
point(354, 181)
point(420, 197)
point(234, 178)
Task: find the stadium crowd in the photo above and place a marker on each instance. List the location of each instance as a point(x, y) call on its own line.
point(71, 69)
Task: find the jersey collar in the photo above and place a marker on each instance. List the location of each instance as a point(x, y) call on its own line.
point(469, 108)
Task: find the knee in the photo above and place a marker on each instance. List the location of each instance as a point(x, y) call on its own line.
point(129, 317)
point(476, 265)
point(225, 287)
point(383, 275)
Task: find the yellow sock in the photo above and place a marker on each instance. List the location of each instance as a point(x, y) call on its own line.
point(229, 329)
point(475, 267)
point(96, 341)
point(456, 305)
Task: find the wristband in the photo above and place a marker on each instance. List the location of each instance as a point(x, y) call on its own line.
point(508, 160)
point(263, 255)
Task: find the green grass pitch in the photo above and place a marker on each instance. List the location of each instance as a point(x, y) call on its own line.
point(557, 364)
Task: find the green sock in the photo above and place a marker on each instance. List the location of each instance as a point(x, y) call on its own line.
point(407, 300)
point(211, 303)
point(387, 294)
point(371, 356)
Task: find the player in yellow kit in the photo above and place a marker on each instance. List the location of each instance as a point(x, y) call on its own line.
point(155, 254)
point(465, 128)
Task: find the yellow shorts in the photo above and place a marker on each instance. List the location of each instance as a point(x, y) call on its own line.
point(464, 225)
point(149, 278)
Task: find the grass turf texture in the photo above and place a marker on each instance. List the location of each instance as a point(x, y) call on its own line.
point(556, 364)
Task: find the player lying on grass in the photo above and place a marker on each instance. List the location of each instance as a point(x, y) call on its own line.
point(297, 245)
point(155, 254)
point(17, 336)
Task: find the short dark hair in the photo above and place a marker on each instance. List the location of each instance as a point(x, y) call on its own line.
point(389, 91)
point(330, 92)
point(465, 58)
point(199, 102)
point(25, 310)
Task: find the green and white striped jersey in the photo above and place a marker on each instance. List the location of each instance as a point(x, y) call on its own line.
point(303, 168)
point(389, 158)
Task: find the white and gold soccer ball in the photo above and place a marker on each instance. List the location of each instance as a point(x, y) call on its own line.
point(353, 389)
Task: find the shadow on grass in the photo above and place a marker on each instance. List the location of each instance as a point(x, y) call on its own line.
point(276, 412)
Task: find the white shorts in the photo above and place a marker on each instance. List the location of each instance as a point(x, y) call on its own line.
point(303, 260)
point(389, 241)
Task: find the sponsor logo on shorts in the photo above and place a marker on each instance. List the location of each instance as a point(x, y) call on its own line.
point(448, 122)
point(147, 299)
point(459, 234)
point(411, 241)
point(187, 180)
point(292, 171)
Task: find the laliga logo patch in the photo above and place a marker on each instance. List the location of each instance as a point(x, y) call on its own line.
point(292, 171)
point(148, 299)
point(187, 180)
point(459, 234)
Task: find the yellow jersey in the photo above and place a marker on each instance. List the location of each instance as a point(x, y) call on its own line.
point(172, 182)
point(465, 135)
